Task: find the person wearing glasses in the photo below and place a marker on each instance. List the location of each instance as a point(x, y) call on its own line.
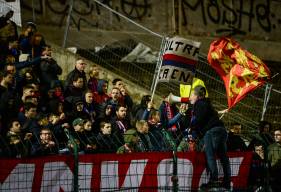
point(46, 144)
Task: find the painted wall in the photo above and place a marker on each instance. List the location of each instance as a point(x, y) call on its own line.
point(254, 19)
point(251, 19)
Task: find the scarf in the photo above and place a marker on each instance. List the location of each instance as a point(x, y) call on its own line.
point(170, 115)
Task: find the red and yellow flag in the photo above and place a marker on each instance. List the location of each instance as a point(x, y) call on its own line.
point(241, 71)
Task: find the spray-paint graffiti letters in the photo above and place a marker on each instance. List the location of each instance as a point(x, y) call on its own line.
point(88, 12)
point(233, 16)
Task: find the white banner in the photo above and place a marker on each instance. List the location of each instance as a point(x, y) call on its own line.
point(179, 60)
point(182, 47)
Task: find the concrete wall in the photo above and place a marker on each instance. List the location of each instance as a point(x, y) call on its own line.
point(255, 23)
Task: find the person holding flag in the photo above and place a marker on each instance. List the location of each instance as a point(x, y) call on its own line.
point(178, 65)
point(206, 123)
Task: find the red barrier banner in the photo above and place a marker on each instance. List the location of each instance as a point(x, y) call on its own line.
point(112, 172)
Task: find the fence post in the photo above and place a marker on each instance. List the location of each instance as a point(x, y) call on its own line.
point(76, 160)
point(175, 170)
point(67, 23)
point(76, 164)
point(172, 143)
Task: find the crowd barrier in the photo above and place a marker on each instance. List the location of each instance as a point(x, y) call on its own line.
point(112, 172)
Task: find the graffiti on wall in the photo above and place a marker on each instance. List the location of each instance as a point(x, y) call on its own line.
point(85, 9)
point(233, 16)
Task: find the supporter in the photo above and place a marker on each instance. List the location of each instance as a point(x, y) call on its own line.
point(37, 92)
point(57, 89)
point(28, 90)
point(155, 123)
point(25, 38)
point(14, 50)
point(79, 70)
point(90, 138)
point(206, 123)
point(145, 143)
point(8, 33)
point(124, 97)
point(107, 142)
point(188, 144)
point(172, 120)
point(31, 99)
point(89, 106)
point(117, 83)
point(9, 99)
point(131, 140)
point(140, 108)
point(9, 108)
point(120, 123)
point(27, 119)
point(234, 140)
point(18, 143)
point(274, 158)
point(10, 66)
point(101, 96)
point(28, 76)
point(88, 128)
point(49, 70)
point(151, 138)
point(19, 68)
point(75, 133)
point(6, 84)
point(86, 145)
point(263, 136)
point(46, 145)
point(114, 100)
point(57, 126)
point(77, 110)
point(75, 89)
point(257, 174)
point(7, 26)
point(94, 78)
point(37, 43)
point(106, 115)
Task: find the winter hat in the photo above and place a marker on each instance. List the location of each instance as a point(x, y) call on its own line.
point(77, 121)
point(129, 135)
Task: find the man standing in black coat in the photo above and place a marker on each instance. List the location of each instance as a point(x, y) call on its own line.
point(49, 69)
point(206, 123)
point(79, 70)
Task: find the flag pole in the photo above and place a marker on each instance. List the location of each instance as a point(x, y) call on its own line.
point(158, 67)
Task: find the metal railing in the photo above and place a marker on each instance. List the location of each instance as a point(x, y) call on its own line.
point(259, 168)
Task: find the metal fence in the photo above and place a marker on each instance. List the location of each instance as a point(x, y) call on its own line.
point(146, 170)
point(132, 53)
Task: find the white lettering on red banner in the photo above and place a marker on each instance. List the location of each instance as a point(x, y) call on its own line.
point(111, 172)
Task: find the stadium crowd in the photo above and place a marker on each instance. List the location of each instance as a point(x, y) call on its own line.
point(39, 113)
